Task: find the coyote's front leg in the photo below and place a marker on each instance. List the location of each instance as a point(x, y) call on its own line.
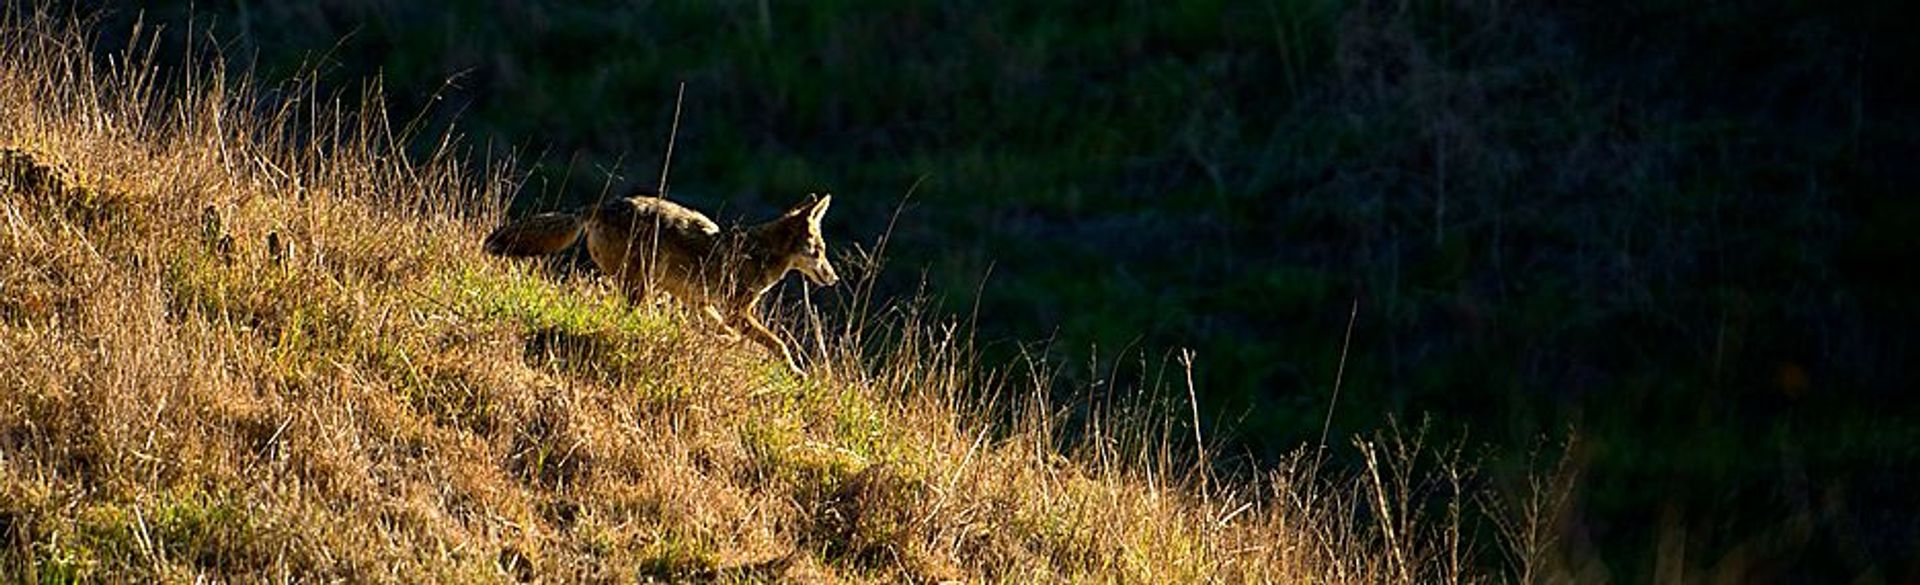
point(727, 331)
point(746, 322)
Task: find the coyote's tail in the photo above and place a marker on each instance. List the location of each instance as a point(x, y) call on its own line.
point(539, 235)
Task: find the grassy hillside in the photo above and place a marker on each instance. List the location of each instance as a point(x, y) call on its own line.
point(247, 336)
point(1679, 228)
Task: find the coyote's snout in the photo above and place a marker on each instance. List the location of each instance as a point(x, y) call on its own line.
point(645, 241)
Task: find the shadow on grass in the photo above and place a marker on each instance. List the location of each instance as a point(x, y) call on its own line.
point(593, 356)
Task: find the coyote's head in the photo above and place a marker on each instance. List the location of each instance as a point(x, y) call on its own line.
point(808, 250)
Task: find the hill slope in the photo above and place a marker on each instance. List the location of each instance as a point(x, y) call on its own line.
point(246, 337)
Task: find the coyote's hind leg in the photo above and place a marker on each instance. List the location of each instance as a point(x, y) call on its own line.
point(636, 289)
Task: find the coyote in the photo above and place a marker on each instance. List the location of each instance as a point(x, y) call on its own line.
point(643, 241)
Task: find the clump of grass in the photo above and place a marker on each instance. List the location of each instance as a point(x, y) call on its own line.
point(255, 339)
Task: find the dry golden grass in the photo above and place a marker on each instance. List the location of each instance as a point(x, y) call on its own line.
point(250, 339)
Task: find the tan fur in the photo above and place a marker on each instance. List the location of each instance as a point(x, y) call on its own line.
point(648, 243)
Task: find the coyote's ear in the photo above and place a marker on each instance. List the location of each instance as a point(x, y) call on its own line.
point(820, 208)
point(805, 205)
point(813, 206)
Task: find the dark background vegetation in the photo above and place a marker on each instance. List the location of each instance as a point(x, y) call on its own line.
point(1684, 231)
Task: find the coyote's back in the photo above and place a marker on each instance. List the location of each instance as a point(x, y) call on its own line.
point(612, 230)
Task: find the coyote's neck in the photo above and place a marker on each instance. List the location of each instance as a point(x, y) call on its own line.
point(753, 258)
